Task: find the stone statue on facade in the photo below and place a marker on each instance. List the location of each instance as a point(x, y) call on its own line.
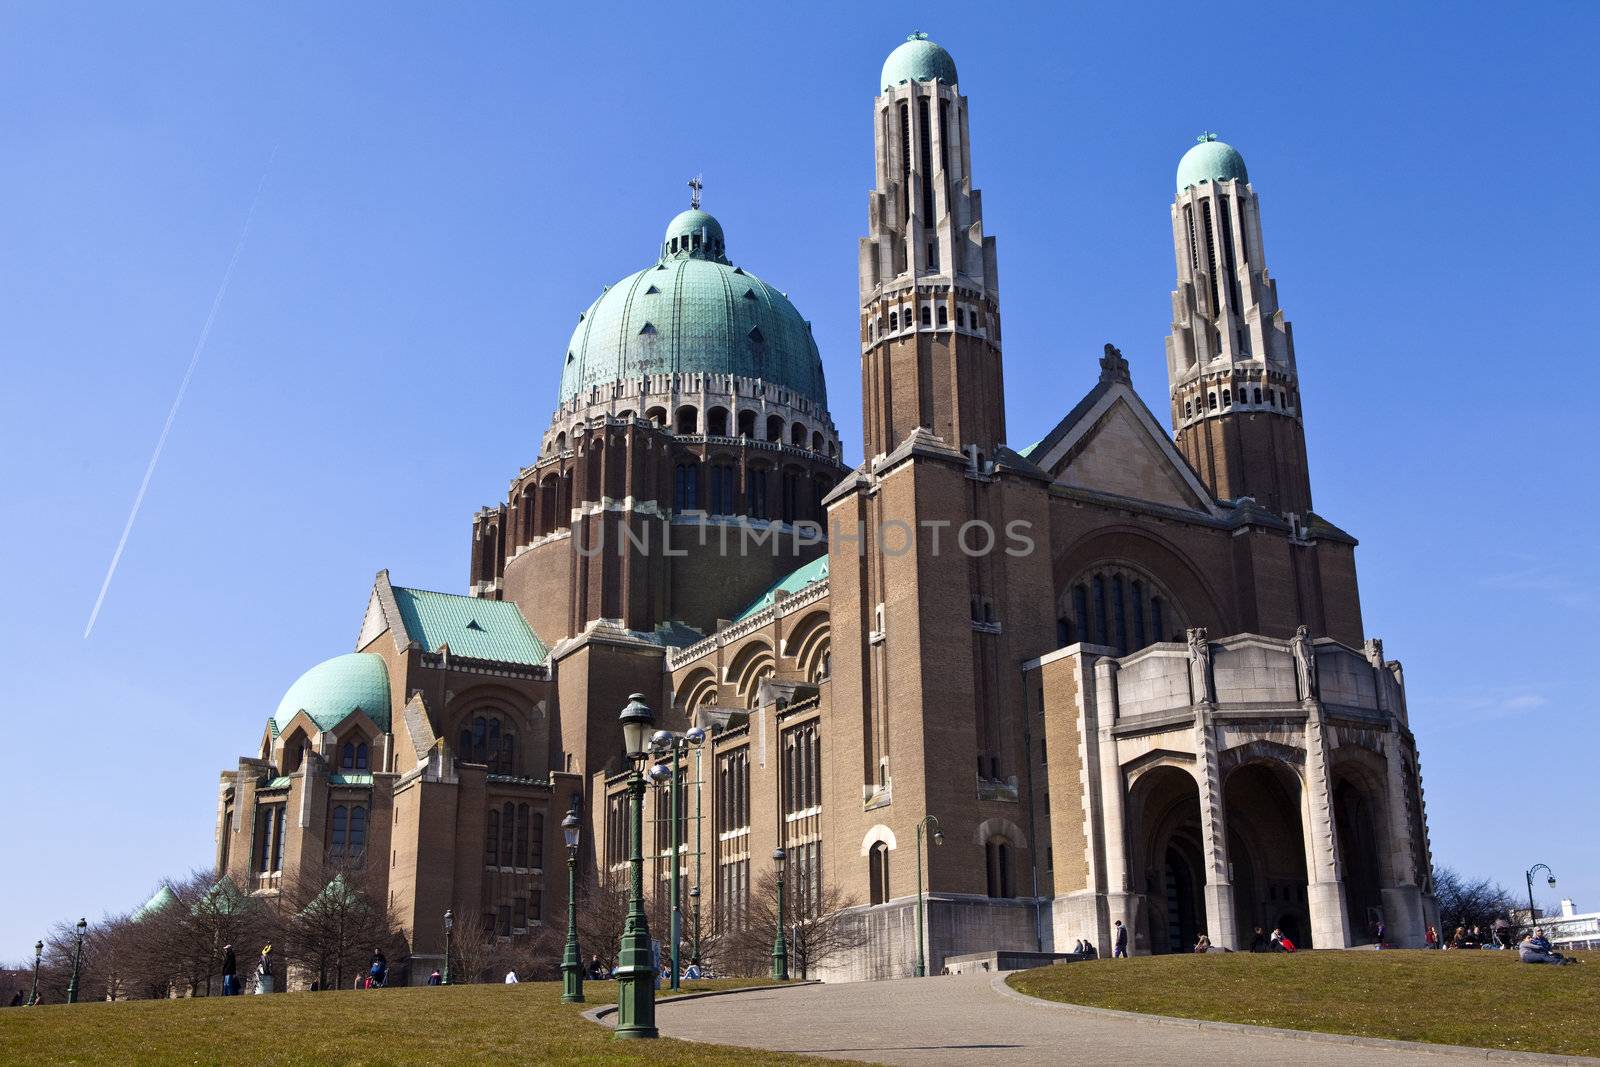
point(1199, 665)
point(1305, 662)
point(1113, 367)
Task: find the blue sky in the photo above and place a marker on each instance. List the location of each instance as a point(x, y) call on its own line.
point(453, 184)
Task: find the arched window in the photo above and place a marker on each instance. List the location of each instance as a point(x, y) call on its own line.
point(1211, 401)
point(1227, 397)
point(816, 441)
point(1258, 394)
point(797, 435)
point(686, 487)
point(1188, 409)
point(358, 830)
point(337, 832)
point(944, 315)
point(756, 493)
point(998, 861)
point(894, 320)
point(491, 840)
point(878, 871)
point(1119, 605)
point(926, 316)
point(775, 428)
point(747, 423)
point(657, 416)
point(347, 756)
point(722, 494)
point(522, 836)
point(688, 420)
point(717, 422)
point(508, 834)
point(361, 756)
point(507, 762)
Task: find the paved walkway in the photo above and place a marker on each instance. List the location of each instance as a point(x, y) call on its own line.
point(963, 1020)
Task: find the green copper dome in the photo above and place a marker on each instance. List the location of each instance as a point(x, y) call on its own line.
point(1210, 161)
point(693, 312)
point(920, 60)
point(334, 688)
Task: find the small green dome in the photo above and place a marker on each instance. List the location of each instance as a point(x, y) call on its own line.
point(695, 223)
point(920, 60)
point(693, 312)
point(334, 688)
point(1210, 161)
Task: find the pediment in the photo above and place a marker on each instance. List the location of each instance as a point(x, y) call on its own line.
point(1112, 444)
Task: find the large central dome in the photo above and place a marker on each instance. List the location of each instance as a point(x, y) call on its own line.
point(693, 312)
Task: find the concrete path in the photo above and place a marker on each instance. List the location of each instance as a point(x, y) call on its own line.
point(965, 1020)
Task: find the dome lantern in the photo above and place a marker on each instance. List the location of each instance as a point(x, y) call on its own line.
point(917, 59)
point(1210, 160)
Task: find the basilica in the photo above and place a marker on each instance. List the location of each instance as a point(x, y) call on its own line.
point(1119, 674)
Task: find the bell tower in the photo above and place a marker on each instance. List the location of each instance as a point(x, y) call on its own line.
point(1230, 356)
point(930, 304)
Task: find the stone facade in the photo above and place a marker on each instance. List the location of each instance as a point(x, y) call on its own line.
point(1120, 674)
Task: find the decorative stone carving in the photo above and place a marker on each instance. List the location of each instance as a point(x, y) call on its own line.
point(1113, 367)
point(1305, 663)
point(1200, 666)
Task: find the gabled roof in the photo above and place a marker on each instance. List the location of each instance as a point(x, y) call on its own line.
point(793, 582)
point(473, 627)
point(1111, 443)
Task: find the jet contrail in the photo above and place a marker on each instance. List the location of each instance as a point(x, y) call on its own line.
point(183, 386)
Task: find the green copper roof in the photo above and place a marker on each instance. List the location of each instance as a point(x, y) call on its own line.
point(473, 628)
point(693, 312)
point(791, 583)
point(334, 688)
point(1210, 160)
point(919, 59)
point(163, 897)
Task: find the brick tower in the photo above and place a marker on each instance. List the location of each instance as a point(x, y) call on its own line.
point(1230, 356)
point(930, 312)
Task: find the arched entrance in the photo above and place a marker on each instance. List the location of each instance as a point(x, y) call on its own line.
point(1356, 822)
point(1266, 850)
point(1168, 869)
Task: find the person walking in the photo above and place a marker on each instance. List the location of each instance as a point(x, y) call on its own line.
point(230, 972)
point(1119, 941)
point(379, 971)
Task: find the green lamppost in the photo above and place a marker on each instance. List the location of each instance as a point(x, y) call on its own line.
point(1533, 917)
point(932, 823)
point(572, 964)
point(780, 950)
point(77, 963)
point(636, 993)
point(38, 950)
point(449, 924)
point(667, 743)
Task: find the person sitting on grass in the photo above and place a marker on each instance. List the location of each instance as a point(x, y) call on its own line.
point(1203, 944)
point(1536, 948)
point(1280, 941)
point(1258, 942)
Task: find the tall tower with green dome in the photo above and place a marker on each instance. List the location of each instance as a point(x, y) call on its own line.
point(1230, 355)
point(930, 301)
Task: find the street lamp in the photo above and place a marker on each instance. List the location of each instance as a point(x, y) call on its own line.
point(38, 950)
point(572, 964)
point(667, 743)
point(780, 951)
point(449, 924)
point(1550, 881)
point(636, 994)
point(932, 823)
point(77, 963)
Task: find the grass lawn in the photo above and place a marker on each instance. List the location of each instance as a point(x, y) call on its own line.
point(1487, 999)
point(490, 1024)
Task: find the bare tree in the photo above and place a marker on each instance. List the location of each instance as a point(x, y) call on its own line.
point(815, 930)
point(178, 945)
point(331, 917)
point(1465, 902)
point(602, 913)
